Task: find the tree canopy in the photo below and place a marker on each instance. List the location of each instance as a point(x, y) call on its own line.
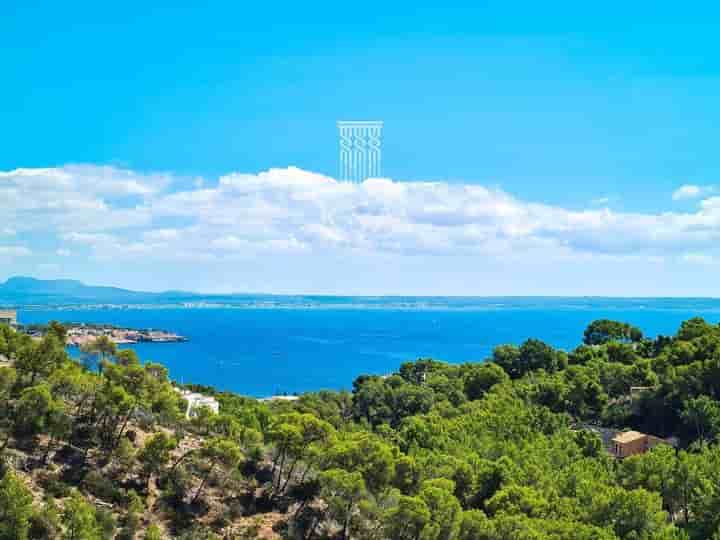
point(508, 448)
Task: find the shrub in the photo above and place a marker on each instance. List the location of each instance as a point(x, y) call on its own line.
point(54, 487)
point(103, 488)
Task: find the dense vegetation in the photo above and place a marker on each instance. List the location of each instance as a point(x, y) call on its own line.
point(500, 450)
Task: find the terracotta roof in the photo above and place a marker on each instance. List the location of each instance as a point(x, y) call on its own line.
point(628, 436)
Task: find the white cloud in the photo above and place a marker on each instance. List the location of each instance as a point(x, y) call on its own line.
point(691, 191)
point(161, 234)
point(63, 252)
point(116, 213)
point(700, 259)
point(229, 243)
point(88, 179)
point(90, 239)
point(8, 231)
point(77, 197)
point(420, 217)
point(14, 251)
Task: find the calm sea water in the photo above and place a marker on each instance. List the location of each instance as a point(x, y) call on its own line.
point(327, 343)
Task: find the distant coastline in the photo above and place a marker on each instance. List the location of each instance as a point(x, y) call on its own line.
point(82, 334)
point(398, 303)
point(34, 294)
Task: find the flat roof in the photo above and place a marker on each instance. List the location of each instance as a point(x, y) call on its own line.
point(628, 436)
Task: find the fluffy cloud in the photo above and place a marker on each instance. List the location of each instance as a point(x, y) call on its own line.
point(691, 191)
point(112, 213)
point(14, 251)
point(77, 197)
point(699, 258)
point(600, 201)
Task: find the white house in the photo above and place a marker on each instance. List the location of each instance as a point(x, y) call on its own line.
point(195, 401)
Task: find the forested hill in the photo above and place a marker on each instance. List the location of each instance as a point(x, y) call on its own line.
point(507, 449)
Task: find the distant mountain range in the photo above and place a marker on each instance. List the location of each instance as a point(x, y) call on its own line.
point(23, 291)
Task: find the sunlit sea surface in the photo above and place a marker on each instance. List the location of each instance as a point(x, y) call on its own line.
point(277, 345)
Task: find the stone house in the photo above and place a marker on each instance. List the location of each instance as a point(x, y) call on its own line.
point(630, 443)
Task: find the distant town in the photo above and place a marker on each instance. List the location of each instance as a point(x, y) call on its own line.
point(80, 334)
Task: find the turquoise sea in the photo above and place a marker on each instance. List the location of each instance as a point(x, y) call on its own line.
point(299, 344)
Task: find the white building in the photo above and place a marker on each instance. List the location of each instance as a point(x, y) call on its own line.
point(8, 317)
point(279, 398)
point(195, 401)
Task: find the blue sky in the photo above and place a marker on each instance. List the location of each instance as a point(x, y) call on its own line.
point(579, 123)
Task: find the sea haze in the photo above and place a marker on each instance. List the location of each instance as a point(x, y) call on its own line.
point(300, 344)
